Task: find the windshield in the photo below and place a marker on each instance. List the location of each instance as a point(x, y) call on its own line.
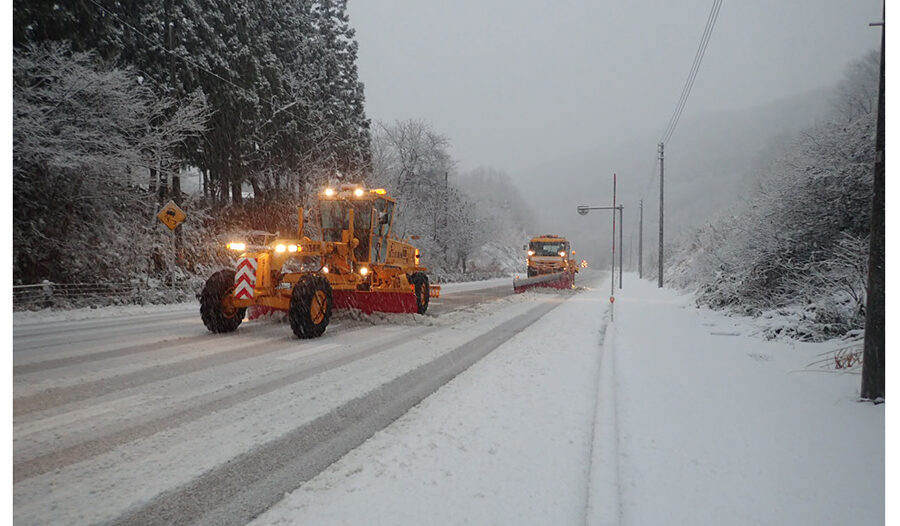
point(547, 248)
point(335, 221)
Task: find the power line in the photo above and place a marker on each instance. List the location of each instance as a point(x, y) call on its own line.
point(695, 68)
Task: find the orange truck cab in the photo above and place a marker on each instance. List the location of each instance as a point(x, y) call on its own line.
point(549, 254)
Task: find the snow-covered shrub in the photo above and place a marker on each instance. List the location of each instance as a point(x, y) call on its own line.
point(797, 255)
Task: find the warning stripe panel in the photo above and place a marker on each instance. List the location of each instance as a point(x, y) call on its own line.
point(245, 278)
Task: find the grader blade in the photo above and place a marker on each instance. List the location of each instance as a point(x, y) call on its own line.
point(558, 280)
point(369, 302)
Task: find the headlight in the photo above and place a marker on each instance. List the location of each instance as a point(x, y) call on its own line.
point(363, 271)
point(280, 248)
point(237, 246)
point(324, 270)
point(292, 248)
point(531, 252)
point(562, 253)
point(358, 192)
point(329, 192)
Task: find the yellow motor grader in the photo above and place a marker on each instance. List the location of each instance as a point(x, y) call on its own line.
point(357, 264)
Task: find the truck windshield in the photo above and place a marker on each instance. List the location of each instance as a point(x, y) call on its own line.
point(547, 248)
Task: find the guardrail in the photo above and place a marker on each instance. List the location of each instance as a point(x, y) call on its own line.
point(50, 294)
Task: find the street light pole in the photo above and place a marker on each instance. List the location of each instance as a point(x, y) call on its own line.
point(612, 277)
point(583, 210)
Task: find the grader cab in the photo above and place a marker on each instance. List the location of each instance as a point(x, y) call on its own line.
point(357, 264)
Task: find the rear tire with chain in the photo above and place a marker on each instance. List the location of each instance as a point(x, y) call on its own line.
point(422, 290)
point(311, 306)
point(216, 316)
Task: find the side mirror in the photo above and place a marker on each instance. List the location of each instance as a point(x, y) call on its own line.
point(524, 247)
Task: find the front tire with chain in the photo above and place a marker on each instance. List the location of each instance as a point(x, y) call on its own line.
point(216, 316)
point(311, 306)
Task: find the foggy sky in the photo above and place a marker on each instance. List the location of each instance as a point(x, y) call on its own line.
point(516, 83)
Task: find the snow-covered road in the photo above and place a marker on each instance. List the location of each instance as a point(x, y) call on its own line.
point(146, 418)
point(669, 415)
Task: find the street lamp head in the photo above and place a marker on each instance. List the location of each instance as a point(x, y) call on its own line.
point(583, 210)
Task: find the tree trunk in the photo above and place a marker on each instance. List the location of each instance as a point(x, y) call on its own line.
point(236, 197)
point(258, 192)
point(154, 182)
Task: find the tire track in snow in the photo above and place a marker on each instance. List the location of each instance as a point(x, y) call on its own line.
point(40, 328)
point(42, 342)
point(241, 334)
point(197, 408)
point(241, 489)
point(603, 503)
point(55, 397)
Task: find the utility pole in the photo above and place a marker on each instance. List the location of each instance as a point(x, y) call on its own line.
point(874, 345)
point(641, 243)
point(661, 145)
point(621, 244)
point(171, 166)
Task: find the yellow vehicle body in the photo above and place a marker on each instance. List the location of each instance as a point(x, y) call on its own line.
point(358, 263)
point(550, 254)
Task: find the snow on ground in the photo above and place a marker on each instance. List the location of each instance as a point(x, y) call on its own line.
point(465, 286)
point(505, 442)
point(696, 423)
point(89, 313)
point(115, 311)
point(716, 427)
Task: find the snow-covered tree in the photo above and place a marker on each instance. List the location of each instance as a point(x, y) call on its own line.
point(81, 136)
point(801, 243)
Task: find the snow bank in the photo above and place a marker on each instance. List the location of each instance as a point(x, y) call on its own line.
point(718, 427)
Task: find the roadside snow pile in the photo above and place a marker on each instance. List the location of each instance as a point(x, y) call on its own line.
point(717, 426)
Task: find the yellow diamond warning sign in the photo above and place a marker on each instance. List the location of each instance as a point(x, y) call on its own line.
point(171, 215)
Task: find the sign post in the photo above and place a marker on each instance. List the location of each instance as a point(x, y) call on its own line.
point(172, 215)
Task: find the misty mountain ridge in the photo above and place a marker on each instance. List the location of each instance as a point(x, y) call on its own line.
point(713, 159)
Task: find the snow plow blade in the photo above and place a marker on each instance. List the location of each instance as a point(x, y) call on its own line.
point(559, 280)
point(369, 302)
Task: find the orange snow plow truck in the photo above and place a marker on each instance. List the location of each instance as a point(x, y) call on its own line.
point(550, 263)
point(357, 264)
